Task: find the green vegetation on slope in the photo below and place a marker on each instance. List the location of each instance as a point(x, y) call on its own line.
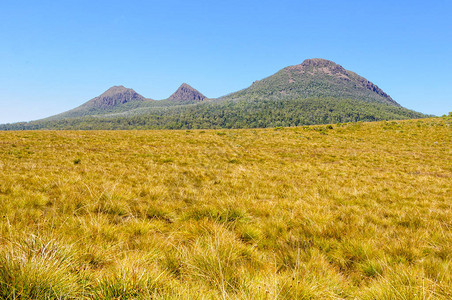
point(315, 78)
point(354, 211)
point(247, 113)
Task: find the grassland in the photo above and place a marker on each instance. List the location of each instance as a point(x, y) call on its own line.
point(348, 211)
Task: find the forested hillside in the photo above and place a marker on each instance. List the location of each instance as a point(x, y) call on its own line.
point(255, 113)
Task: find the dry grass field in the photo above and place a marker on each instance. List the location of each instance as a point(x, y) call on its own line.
point(347, 211)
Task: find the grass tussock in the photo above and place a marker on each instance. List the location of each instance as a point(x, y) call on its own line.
point(35, 269)
point(348, 211)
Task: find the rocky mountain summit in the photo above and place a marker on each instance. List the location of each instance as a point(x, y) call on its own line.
point(114, 96)
point(110, 100)
point(315, 78)
point(186, 93)
point(311, 67)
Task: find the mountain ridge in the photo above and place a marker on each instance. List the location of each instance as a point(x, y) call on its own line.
point(317, 91)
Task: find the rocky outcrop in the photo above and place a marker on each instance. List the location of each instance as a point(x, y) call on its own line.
point(316, 66)
point(114, 96)
point(186, 93)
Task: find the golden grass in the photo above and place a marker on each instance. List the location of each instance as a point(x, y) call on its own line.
point(356, 211)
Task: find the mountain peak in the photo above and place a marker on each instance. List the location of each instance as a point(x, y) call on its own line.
point(184, 85)
point(114, 96)
point(318, 65)
point(116, 89)
point(318, 62)
point(185, 93)
point(316, 78)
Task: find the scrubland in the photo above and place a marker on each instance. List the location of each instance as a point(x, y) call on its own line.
point(346, 211)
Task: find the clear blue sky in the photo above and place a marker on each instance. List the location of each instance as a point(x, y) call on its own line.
point(55, 55)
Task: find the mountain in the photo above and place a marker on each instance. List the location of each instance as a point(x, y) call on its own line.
point(186, 94)
point(317, 91)
point(114, 96)
point(109, 101)
point(315, 78)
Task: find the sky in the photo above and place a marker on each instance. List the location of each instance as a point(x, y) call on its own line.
point(56, 55)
